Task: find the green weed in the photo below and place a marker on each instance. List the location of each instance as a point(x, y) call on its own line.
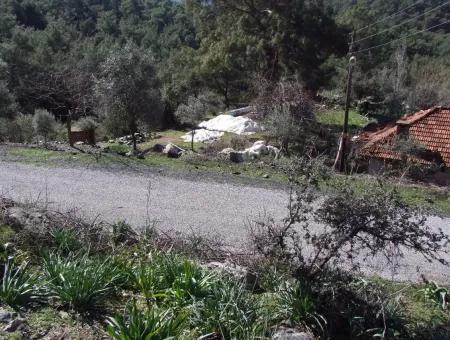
point(19, 286)
point(152, 323)
point(81, 282)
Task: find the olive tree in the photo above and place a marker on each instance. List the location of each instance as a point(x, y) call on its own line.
point(286, 109)
point(128, 91)
point(44, 123)
point(191, 114)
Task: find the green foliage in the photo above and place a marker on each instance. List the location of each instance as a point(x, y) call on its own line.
point(153, 323)
point(86, 124)
point(403, 76)
point(66, 241)
point(25, 124)
point(44, 123)
point(437, 294)
point(122, 232)
point(19, 286)
point(8, 105)
point(79, 281)
point(229, 311)
point(172, 277)
point(128, 91)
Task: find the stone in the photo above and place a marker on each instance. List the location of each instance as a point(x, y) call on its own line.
point(238, 156)
point(273, 151)
point(6, 316)
point(292, 334)
point(226, 151)
point(111, 141)
point(14, 325)
point(173, 151)
point(158, 148)
point(266, 176)
point(79, 143)
point(64, 314)
point(258, 148)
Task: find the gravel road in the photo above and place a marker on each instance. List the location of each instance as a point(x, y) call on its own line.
point(214, 208)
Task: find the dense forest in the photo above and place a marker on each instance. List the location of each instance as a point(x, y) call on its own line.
point(63, 55)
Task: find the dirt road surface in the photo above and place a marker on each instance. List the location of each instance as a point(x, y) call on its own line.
point(209, 207)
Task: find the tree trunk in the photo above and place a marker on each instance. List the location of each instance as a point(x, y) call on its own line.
point(69, 127)
point(133, 136)
point(192, 140)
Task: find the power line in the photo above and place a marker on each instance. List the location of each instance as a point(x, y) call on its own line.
point(401, 38)
point(403, 23)
point(390, 16)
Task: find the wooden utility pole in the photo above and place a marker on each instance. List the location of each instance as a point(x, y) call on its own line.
point(341, 156)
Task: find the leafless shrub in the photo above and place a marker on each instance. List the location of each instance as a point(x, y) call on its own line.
point(192, 244)
point(287, 111)
point(375, 222)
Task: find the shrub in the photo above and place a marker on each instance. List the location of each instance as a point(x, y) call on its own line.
point(44, 123)
point(80, 282)
point(437, 294)
point(19, 287)
point(288, 112)
point(151, 324)
point(25, 124)
point(86, 124)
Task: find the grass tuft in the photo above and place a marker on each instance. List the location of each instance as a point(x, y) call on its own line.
point(81, 282)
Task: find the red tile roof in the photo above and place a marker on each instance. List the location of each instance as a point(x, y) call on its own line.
point(430, 128)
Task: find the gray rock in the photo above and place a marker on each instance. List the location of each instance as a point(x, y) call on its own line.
point(6, 316)
point(292, 334)
point(158, 148)
point(238, 156)
point(111, 141)
point(15, 325)
point(79, 143)
point(226, 151)
point(173, 151)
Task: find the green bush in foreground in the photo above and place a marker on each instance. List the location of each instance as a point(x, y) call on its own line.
point(19, 287)
point(81, 282)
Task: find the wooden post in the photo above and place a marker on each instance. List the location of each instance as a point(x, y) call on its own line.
point(347, 108)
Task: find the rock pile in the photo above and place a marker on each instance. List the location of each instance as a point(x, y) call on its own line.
point(128, 140)
point(258, 149)
point(173, 151)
